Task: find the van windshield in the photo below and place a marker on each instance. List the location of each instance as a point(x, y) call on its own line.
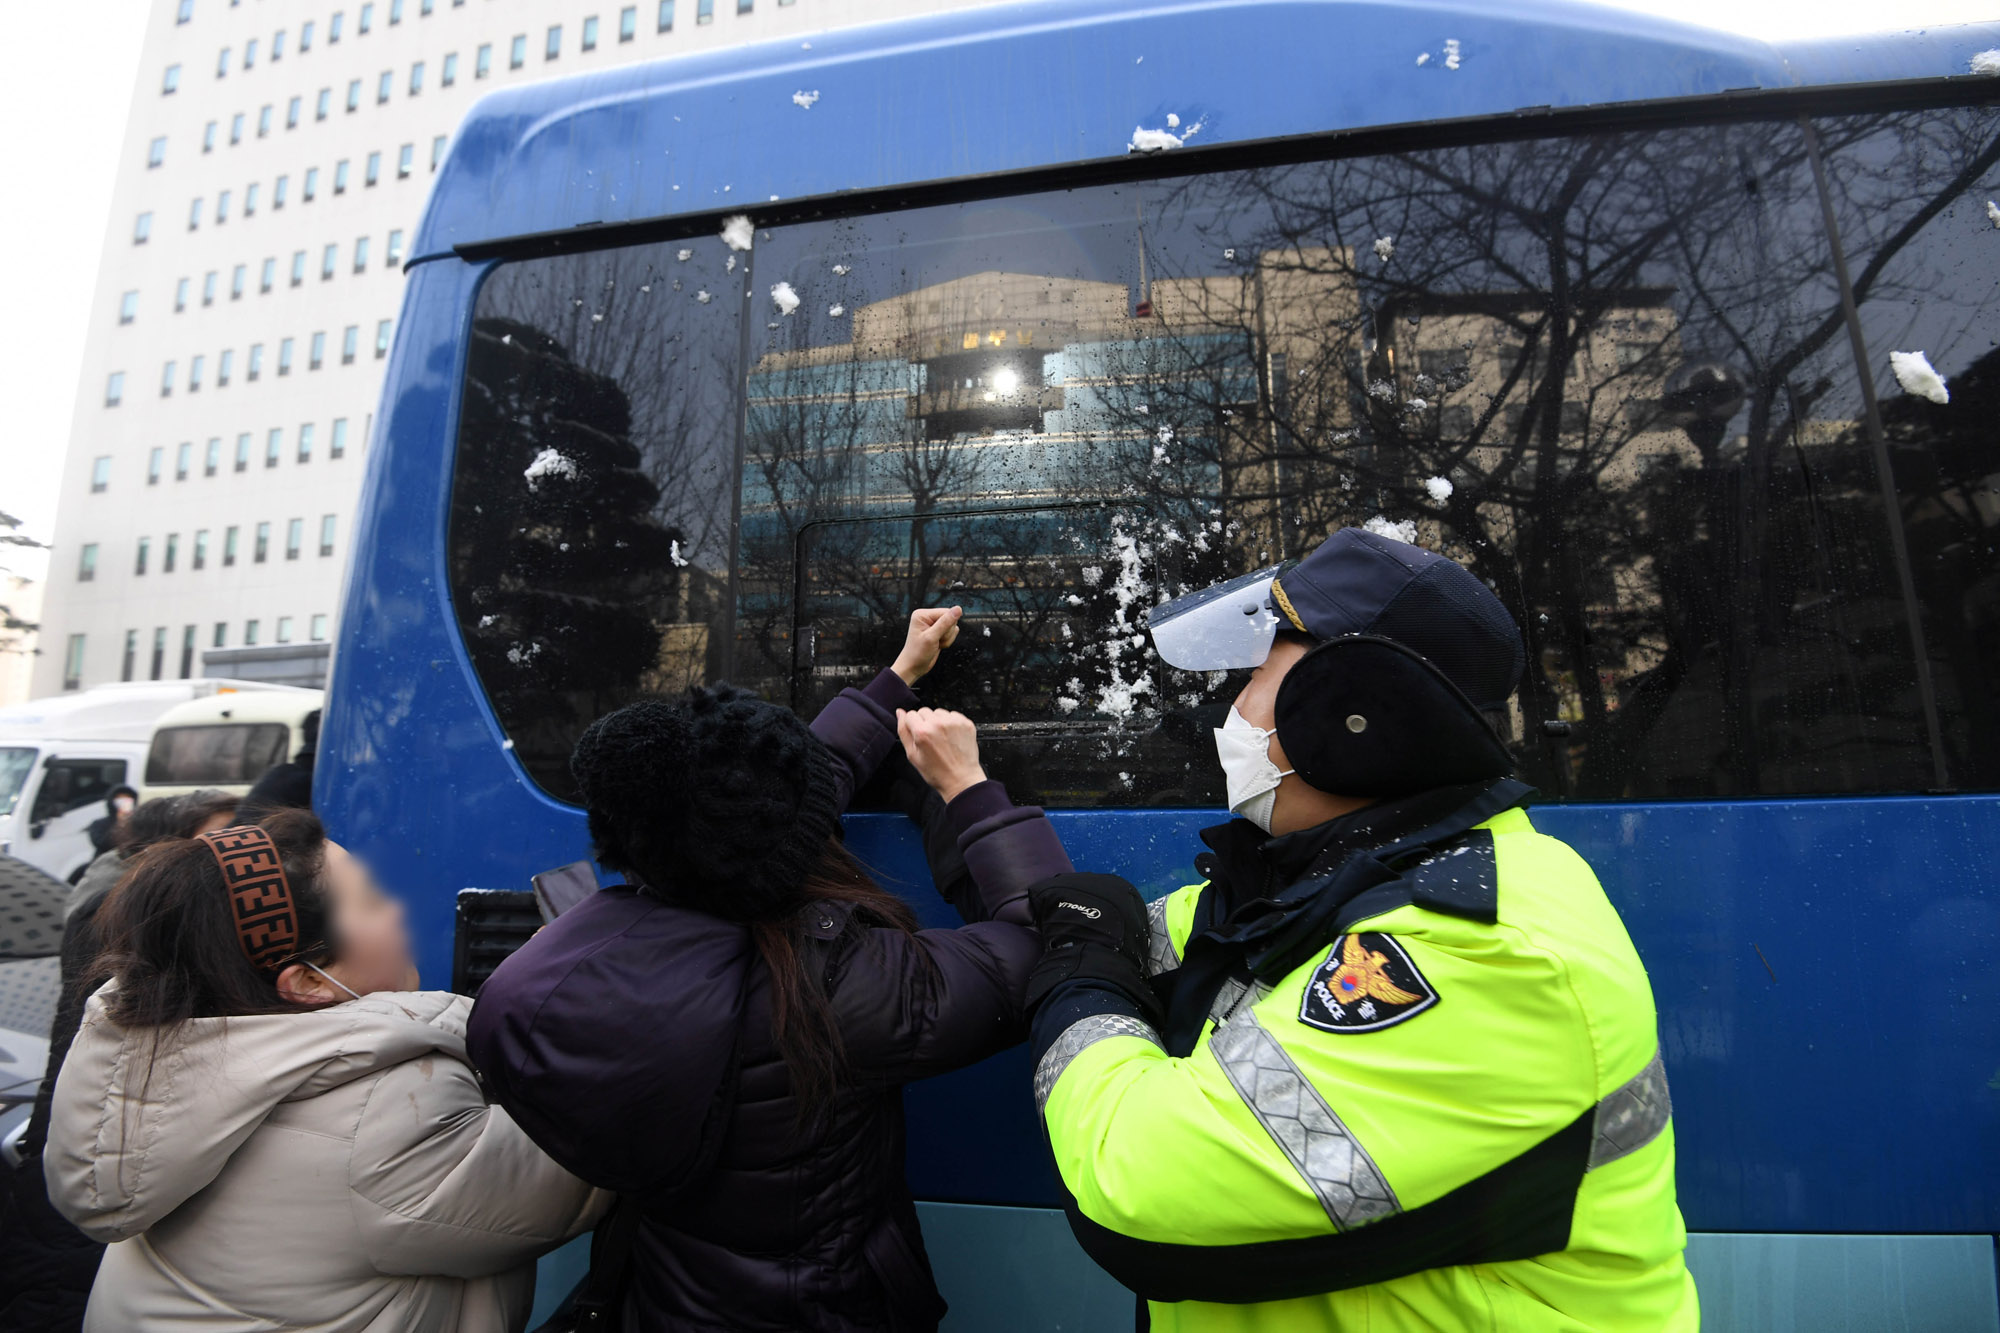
point(228, 753)
point(16, 762)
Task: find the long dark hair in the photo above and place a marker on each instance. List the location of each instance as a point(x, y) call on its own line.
point(802, 1021)
point(171, 943)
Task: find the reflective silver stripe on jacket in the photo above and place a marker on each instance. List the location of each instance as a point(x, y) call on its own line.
point(1161, 955)
point(1233, 994)
point(1076, 1037)
point(1349, 1184)
point(1633, 1116)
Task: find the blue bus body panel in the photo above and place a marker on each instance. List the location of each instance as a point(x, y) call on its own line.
point(1011, 88)
point(1828, 1010)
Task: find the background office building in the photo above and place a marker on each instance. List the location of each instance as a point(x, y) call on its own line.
point(274, 169)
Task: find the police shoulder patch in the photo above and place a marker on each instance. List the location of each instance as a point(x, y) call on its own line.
point(1366, 983)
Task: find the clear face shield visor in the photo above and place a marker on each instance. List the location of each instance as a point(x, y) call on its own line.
point(1227, 627)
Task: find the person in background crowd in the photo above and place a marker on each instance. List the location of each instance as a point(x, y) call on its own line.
point(118, 807)
point(287, 786)
point(723, 1040)
point(56, 1284)
point(298, 1140)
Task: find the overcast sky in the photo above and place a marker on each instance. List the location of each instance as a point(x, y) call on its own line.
point(65, 101)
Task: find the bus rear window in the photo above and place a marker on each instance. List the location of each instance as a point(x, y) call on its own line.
point(227, 754)
point(1610, 373)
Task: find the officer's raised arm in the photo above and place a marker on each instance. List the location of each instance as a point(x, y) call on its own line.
point(1392, 1063)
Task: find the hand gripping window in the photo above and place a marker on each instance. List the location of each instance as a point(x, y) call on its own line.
point(1227, 627)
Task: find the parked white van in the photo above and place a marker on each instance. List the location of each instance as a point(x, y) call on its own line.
point(226, 741)
point(61, 757)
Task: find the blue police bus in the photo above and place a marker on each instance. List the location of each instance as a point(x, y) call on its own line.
point(1688, 344)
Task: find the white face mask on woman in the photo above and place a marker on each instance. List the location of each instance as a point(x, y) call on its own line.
point(1248, 774)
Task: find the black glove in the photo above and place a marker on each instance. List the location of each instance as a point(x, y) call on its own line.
point(1093, 928)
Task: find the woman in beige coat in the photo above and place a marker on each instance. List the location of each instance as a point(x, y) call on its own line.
point(273, 1127)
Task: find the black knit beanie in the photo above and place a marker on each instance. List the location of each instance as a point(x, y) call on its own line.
point(721, 802)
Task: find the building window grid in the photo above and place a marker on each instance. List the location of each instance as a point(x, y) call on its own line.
point(482, 61)
point(588, 40)
point(628, 23)
point(278, 189)
point(405, 160)
point(170, 81)
point(295, 536)
point(184, 460)
point(86, 563)
point(230, 537)
point(200, 555)
point(114, 388)
point(336, 444)
point(373, 173)
point(128, 306)
point(260, 552)
point(274, 446)
point(517, 51)
point(156, 462)
point(73, 663)
point(285, 356)
point(316, 352)
point(211, 462)
point(326, 529)
point(350, 338)
point(666, 16)
point(242, 454)
point(143, 551)
point(318, 630)
point(382, 338)
point(448, 72)
point(416, 78)
point(383, 84)
point(171, 554)
point(305, 442)
point(224, 366)
point(156, 152)
point(100, 474)
point(361, 254)
point(311, 187)
point(142, 228)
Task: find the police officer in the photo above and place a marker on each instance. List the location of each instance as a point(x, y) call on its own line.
point(1393, 1064)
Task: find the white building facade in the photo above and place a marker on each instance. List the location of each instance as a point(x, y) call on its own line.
point(275, 165)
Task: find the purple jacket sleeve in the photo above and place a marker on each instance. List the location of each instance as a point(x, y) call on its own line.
point(1007, 848)
point(910, 1006)
point(859, 726)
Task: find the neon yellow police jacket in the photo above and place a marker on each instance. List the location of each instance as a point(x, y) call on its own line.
point(1426, 1089)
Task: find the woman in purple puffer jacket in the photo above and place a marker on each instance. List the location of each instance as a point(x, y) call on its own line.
point(723, 1040)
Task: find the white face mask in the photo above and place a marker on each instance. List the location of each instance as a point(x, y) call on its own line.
point(1248, 774)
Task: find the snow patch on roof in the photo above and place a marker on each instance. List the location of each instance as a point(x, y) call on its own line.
point(1914, 373)
point(804, 100)
point(1173, 121)
point(1440, 488)
point(1993, 212)
point(737, 232)
point(836, 311)
point(674, 554)
point(703, 296)
point(783, 297)
point(1401, 529)
point(1451, 53)
point(549, 463)
point(841, 270)
point(1152, 141)
point(1423, 57)
point(1987, 62)
point(1385, 248)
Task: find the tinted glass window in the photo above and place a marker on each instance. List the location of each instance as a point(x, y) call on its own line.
point(227, 753)
point(1911, 195)
point(71, 784)
point(1610, 374)
point(590, 550)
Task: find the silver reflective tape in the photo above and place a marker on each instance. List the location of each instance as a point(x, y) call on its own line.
point(1633, 1116)
point(1231, 996)
point(1339, 1170)
point(1085, 1032)
point(1161, 956)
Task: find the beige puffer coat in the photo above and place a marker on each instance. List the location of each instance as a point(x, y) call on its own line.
point(338, 1170)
